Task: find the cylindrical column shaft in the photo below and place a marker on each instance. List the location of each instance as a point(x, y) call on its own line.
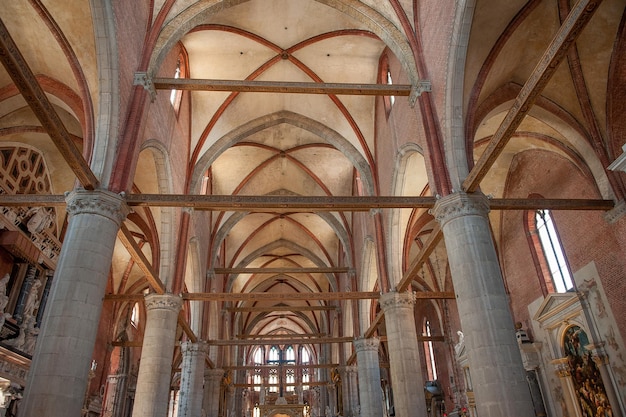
point(212, 387)
point(192, 377)
point(57, 378)
point(495, 361)
point(404, 362)
point(350, 394)
point(155, 369)
point(369, 377)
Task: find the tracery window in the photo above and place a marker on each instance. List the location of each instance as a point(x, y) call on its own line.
point(305, 359)
point(552, 252)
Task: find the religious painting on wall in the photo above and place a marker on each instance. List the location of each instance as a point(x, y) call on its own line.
point(588, 384)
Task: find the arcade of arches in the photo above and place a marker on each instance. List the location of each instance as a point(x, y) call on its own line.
point(312, 208)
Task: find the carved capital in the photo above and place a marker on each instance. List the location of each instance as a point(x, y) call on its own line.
point(163, 302)
point(214, 375)
point(397, 299)
point(366, 345)
point(100, 202)
point(460, 204)
point(561, 367)
point(194, 348)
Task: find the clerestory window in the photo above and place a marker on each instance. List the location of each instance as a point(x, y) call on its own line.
point(552, 251)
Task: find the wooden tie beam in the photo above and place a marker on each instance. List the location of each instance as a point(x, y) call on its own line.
point(284, 87)
point(294, 270)
point(305, 203)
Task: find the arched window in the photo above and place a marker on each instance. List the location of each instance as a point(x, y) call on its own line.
point(552, 253)
point(257, 359)
point(273, 359)
point(289, 358)
point(429, 352)
point(305, 359)
point(392, 99)
point(174, 93)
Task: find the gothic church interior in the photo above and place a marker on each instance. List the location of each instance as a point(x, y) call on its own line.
point(312, 208)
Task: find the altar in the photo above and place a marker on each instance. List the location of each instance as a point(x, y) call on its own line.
point(291, 410)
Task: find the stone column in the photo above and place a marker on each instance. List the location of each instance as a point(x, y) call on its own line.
point(57, 378)
point(350, 394)
point(155, 368)
point(499, 378)
point(369, 377)
point(404, 361)
point(212, 388)
point(601, 360)
point(192, 378)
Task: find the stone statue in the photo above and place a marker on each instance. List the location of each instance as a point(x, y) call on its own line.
point(461, 344)
point(4, 299)
point(32, 301)
point(40, 219)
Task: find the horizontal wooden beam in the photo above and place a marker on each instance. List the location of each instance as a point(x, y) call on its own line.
point(294, 270)
point(279, 336)
point(265, 296)
point(259, 309)
point(306, 203)
point(310, 383)
point(251, 86)
point(285, 341)
point(252, 367)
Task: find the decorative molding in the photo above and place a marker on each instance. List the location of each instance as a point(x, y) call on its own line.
point(366, 345)
point(460, 204)
point(100, 202)
point(163, 301)
point(194, 348)
point(395, 299)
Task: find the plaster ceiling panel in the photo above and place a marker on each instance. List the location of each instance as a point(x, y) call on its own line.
point(595, 47)
point(490, 19)
point(248, 107)
point(285, 22)
point(330, 57)
point(232, 167)
point(219, 54)
point(37, 44)
point(331, 167)
point(284, 137)
point(277, 230)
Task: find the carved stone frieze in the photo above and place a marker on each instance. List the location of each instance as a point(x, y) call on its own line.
point(397, 299)
point(100, 202)
point(370, 344)
point(460, 204)
point(194, 348)
point(163, 302)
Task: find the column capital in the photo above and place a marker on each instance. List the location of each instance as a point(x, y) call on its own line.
point(364, 345)
point(101, 202)
point(397, 299)
point(349, 369)
point(214, 374)
point(194, 347)
point(460, 204)
point(561, 367)
point(163, 302)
